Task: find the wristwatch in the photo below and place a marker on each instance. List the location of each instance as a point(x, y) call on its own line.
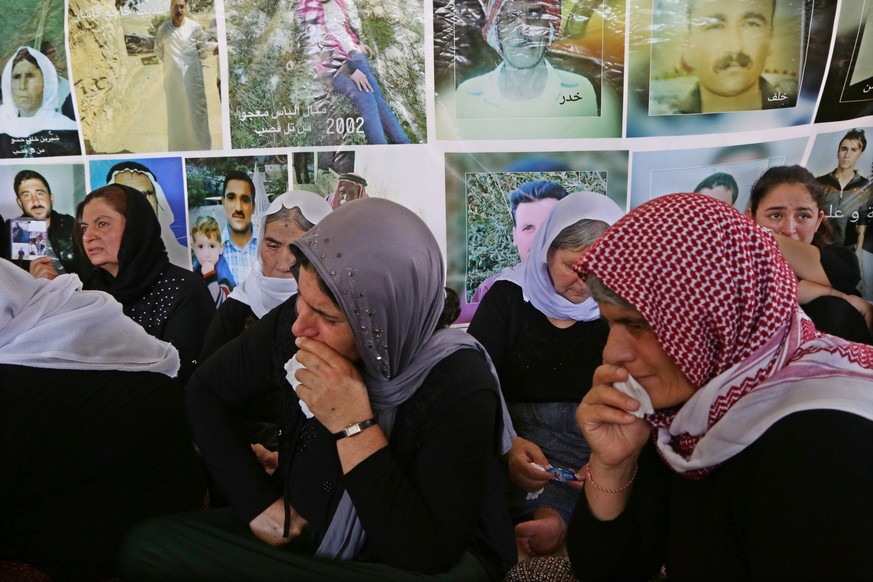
point(354, 428)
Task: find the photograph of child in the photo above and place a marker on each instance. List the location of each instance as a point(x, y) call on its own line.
point(146, 75)
point(37, 115)
point(326, 72)
point(210, 264)
point(555, 68)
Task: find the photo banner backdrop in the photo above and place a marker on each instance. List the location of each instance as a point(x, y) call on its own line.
point(445, 106)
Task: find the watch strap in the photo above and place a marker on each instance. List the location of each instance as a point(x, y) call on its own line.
point(354, 428)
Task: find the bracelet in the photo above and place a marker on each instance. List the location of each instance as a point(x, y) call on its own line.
point(590, 478)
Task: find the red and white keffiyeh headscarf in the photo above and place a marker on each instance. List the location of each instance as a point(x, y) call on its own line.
point(722, 302)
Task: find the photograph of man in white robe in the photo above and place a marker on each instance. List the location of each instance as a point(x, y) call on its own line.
point(181, 44)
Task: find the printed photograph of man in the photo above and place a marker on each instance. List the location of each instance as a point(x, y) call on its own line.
point(529, 206)
point(239, 237)
point(728, 46)
point(161, 180)
point(544, 64)
point(849, 197)
point(524, 84)
point(235, 192)
point(726, 173)
point(181, 44)
point(145, 75)
point(35, 200)
point(326, 72)
point(721, 186)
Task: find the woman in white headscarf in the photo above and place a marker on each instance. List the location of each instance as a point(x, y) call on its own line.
point(30, 123)
point(268, 285)
point(545, 336)
point(271, 281)
point(394, 472)
point(94, 435)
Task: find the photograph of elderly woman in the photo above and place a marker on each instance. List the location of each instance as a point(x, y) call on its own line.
point(554, 67)
point(146, 74)
point(326, 72)
point(37, 117)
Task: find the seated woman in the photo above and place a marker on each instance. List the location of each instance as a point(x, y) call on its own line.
point(390, 468)
point(268, 285)
point(120, 234)
point(745, 454)
point(94, 435)
point(30, 124)
point(545, 336)
point(270, 282)
point(788, 201)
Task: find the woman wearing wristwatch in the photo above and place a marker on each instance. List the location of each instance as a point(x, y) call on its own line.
point(389, 449)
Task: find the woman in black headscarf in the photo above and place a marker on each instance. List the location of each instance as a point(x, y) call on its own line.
point(388, 449)
point(121, 235)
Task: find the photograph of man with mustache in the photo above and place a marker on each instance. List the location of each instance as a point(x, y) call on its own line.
point(727, 47)
point(239, 237)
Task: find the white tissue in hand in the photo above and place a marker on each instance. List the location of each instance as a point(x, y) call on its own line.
point(633, 389)
point(534, 494)
point(291, 366)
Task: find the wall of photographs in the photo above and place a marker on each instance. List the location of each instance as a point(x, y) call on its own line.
point(445, 106)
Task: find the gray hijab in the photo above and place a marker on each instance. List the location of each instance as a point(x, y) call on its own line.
point(385, 269)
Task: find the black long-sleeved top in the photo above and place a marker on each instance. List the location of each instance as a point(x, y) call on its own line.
point(536, 361)
point(423, 501)
point(231, 319)
point(797, 504)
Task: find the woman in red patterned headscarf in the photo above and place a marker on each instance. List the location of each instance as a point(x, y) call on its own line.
point(763, 425)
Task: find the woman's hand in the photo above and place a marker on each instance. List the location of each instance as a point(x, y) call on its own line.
point(270, 524)
point(521, 472)
point(331, 386)
point(614, 434)
point(42, 268)
point(616, 438)
point(269, 459)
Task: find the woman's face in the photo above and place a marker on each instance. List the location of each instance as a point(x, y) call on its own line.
point(27, 86)
point(565, 280)
point(320, 319)
point(632, 345)
point(790, 210)
point(276, 252)
point(102, 228)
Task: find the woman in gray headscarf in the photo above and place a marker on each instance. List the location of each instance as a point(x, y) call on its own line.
point(389, 447)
